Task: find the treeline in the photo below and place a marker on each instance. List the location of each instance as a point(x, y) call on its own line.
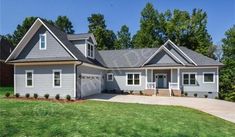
point(183, 28)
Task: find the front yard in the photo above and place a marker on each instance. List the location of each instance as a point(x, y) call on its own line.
point(93, 118)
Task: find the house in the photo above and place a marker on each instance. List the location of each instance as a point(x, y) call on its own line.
point(6, 71)
point(49, 61)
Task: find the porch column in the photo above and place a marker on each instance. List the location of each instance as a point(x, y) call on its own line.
point(178, 77)
point(146, 78)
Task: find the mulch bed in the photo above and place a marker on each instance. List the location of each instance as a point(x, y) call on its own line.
point(49, 99)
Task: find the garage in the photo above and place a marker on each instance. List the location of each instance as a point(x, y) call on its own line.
point(90, 85)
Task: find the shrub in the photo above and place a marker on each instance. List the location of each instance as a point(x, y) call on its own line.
point(141, 93)
point(17, 95)
point(27, 95)
point(7, 94)
point(185, 94)
point(205, 96)
point(68, 97)
point(195, 94)
point(46, 96)
point(131, 92)
point(35, 96)
point(57, 96)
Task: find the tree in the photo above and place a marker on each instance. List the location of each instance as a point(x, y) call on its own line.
point(227, 79)
point(104, 37)
point(148, 35)
point(123, 38)
point(64, 24)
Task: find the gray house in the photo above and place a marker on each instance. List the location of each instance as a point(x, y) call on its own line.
point(49, 61)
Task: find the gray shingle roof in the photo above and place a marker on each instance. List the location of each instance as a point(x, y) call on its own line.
point(78, 36)
point(43, 59)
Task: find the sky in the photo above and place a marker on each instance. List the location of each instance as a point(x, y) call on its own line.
point(221, 13)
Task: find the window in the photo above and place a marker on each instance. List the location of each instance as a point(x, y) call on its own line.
point(110, 77)
point(133, 78)
point(90, 50)
point(189, 78)
point(56, 78)
point(29, 78)
point(42, 42)
point(208, 77)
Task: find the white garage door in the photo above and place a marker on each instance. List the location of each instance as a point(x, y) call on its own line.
point(90, 85)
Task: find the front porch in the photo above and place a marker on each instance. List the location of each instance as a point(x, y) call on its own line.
point(163, 82)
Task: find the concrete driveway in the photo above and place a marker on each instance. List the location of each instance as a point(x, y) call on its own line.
point(219, 108)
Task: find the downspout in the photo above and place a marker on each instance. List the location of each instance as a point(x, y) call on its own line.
point(77, 79)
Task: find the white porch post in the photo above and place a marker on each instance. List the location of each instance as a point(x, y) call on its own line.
point(146, 78)
point(178, 77)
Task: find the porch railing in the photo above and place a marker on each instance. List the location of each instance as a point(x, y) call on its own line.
point(173, 85)
point(151, 85)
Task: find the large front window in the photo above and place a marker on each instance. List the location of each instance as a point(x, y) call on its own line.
point(208, 77)
point(189, 78)
point(90, 50)
point(42, 42)
point(56, 78)
point(133, 78)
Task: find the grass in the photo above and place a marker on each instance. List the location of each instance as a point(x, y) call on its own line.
point(92, 118)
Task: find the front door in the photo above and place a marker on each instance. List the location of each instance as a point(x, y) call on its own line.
point(161, 80)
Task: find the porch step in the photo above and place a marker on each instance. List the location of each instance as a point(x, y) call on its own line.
point(163, 92)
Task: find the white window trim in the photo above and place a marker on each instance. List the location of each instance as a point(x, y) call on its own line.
point(133, 78)
point(108, 74)
point(189, 78)
point(88, 48)
point(26, 79)
point(209, 73)
point(45, 35)
point(53, 73)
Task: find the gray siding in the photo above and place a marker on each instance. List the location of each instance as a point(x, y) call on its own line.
point(162, 58)
point(80, 44)
point(177, 54)
point(120, 82)
point(43, 80)
point(54, 49)
point(200, 86)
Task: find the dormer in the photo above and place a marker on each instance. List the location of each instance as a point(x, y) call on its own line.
point(85, 42)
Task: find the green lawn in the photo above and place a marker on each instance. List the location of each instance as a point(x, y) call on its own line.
point(92, 118)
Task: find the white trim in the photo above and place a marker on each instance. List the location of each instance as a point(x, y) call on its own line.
point(59, 40)
point(181, 51)
point(92, 46)
point(189, 73)
point(178, 78)
point(152, 56)
point(26, 79)
point(133, 78)
point(94, 66)
point(14, 79)
point(151, 75)
point(74, 81)
point(53, 76)
point(171, 75)
point(22, 40)
point(86, 48)
point(143, 68)
point(40, 41)
point(217, 80)
point(108, 74)
point(204, 78)
point(172, 55)
point(146, 78)
point(164, 74)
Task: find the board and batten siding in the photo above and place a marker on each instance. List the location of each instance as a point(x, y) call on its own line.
point(53, 47)
point(200, 88)
point(120, 82)
point(43, 80)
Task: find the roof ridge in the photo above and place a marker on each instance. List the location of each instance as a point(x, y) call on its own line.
point(125, 49)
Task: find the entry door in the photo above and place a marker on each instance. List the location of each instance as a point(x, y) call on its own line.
point(161, 80)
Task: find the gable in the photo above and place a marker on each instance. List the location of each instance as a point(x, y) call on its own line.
point(54, 48)
point(163, 58)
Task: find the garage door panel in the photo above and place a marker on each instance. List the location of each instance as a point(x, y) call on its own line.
point(90, 84)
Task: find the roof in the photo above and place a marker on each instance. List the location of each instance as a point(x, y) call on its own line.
point(78, 36)
point(42, 59)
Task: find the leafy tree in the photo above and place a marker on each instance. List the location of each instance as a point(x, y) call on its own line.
point(64, 24)
point(105, 38)
point(123, 38)
point(227, 79)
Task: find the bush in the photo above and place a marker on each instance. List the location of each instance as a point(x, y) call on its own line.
point(141, 93)
point(46, 96)
point(57, 96)
point(68, 97)
point(205, 96)
point(35, 96)
point(17, 95)
point(27, 95)
point(230, 96)
point(131, 92)
point(185, 94)
point(195, 94)
point(7, 94)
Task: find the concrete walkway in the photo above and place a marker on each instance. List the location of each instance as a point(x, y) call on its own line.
point(219, 108)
